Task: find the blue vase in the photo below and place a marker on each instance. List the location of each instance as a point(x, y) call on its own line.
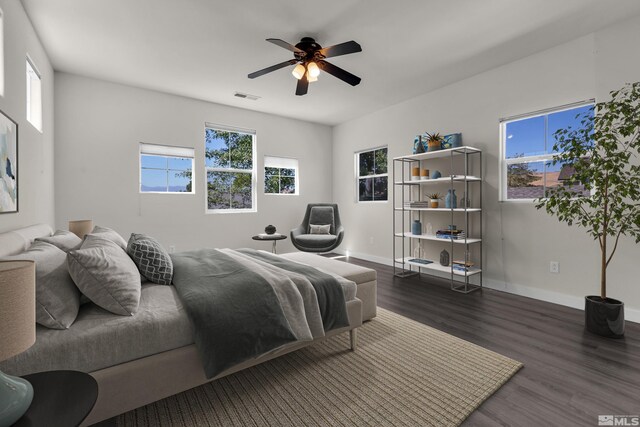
point(436, 174)
point(451, 200)
point(416, 227)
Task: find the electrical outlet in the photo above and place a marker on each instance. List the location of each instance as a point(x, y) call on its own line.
point(554, 267)
point(172, 249)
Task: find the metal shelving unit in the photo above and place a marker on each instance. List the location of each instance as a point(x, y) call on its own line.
point(412, 190)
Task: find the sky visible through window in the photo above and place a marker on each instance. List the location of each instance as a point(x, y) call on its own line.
point(165, 174)
point(528, 137)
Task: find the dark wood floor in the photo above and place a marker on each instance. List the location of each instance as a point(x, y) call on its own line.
point(569, 377)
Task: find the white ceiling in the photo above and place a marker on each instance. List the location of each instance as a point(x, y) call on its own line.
point(204, 49)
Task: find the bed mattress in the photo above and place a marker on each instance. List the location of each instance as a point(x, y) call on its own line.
point(99, 339)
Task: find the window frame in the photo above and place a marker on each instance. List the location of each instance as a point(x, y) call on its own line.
point(547, 157)
point(167, 151)
point(252, 171)
point(2, 70)
point(356, 159)
point(31, 66)
point(296, 177)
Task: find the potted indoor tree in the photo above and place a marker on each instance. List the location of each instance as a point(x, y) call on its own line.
point(601, 190)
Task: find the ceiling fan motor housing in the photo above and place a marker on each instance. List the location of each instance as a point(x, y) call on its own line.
point(310, 48)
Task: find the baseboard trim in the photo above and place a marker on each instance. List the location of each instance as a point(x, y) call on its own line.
point(630, 314)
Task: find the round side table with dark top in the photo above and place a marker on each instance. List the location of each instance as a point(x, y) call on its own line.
point(270, 237)
point(60, 398)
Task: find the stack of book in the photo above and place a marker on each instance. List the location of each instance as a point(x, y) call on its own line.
point(462, 265)
point(450, 234)
point(417, 204)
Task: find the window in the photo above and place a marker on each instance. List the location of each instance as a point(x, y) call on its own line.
point(229, 162)
point(166, 169)
point(280, 175)
point(34, 96)
point(1, 54)
point(527, 169)
point(372, 175)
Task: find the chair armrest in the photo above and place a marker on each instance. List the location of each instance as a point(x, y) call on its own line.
point(298, 231)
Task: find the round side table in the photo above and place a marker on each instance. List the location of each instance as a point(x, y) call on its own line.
point(60, 398)
point(270, 237)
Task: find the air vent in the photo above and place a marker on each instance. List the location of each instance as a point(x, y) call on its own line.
point(246, 96)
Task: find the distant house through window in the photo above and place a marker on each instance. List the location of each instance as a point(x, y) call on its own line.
point(230, 169)
point(34, 96)
point(372, 175)
point(166, 169)
point(527, 141)
point(280, 175)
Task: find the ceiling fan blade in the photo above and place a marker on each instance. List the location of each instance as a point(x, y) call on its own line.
point(288, 46)
point(303, 86)
point(338, 72)
point(341, 49)
point(272, 68)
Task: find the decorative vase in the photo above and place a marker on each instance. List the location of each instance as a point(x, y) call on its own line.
point(424, 174)
point(418, 146)
point(451, 200)
point(464, 201)
point(416, 227)
point(434, 203)
point(270, 229)
point(604, 317)
point(415, 173)
point(436, 174)
point(429, 229)
point(444, 258)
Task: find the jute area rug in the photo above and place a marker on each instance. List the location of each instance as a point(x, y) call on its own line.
point(403, 374)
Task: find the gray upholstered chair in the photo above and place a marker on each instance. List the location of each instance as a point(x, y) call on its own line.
point(318, 214)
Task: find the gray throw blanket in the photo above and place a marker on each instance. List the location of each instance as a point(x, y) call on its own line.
point(241, 306)
point(330, 295)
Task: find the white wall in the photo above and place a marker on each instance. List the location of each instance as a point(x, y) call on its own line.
point(99, 126)
point(35, 149)
point(519, 241)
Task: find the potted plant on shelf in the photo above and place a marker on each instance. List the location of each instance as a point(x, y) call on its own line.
point(434, 198)
point(601, 158)
point(434, 141)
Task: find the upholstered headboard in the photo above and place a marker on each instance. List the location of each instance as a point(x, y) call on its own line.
point(16, 241)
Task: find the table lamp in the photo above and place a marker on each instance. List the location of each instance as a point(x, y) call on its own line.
point(17, 333)
point(81, 227)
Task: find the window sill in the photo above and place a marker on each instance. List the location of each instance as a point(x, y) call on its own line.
point(229, 211)
point(281, 194)
point(167, 192)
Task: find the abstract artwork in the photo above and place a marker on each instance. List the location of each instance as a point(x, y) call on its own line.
point(8, 165)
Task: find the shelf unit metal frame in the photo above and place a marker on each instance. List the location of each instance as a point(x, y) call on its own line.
point(401, 163)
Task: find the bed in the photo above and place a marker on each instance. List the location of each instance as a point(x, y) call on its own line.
point(139, 359)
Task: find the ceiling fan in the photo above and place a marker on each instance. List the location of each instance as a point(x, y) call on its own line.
point(310, 59)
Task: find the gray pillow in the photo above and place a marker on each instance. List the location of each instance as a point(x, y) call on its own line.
point(57, 298)
point(109, 234)
point(319, 229)
point(62, 239)
point(152, 260)
point(106, 275)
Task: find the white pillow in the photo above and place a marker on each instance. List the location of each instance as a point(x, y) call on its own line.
point(319, 229)
point(106, 275)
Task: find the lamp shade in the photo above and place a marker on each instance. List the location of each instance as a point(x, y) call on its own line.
point(17, 307)
point(81, 227)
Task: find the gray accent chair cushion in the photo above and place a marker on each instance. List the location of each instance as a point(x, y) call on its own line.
point(106, 275)
point(318, 214)
point(62, 239)
point(109, 234)
point(319, 229)
point(57, 298)
point(152, 260)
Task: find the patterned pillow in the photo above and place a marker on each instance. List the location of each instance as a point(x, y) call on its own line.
point(152, 260)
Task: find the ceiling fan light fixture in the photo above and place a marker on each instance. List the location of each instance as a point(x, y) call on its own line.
point(311, 78)
point(313, 69)
point(298, 71)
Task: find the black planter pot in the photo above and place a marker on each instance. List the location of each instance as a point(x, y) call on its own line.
point(604, 317)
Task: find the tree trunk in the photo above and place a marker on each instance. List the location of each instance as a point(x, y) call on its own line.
point(603, 268)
